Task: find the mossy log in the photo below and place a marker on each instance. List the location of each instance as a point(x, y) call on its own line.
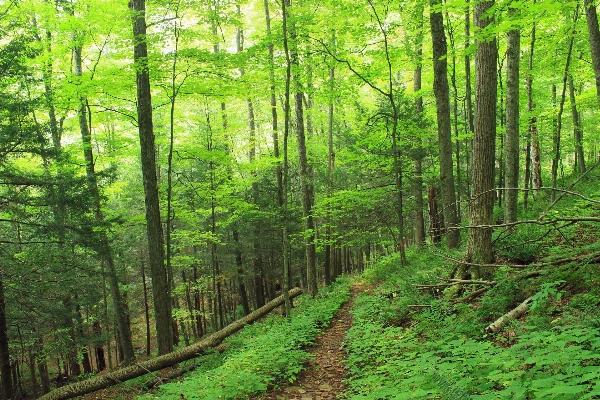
point(164, 361)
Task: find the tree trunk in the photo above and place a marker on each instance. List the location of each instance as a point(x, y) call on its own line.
point(285, 173)
point(479, 245)
point(417, 161)
point(533, 145)
point(330, 178)
point(577, 129)
point(240, 270)
point(558, 131)
point(442, 97)
point(511, 142)
point(165, 360)
point(305, 179)
point(103, 248)
point(5, 370)
point(156, 251)
point(594, 36)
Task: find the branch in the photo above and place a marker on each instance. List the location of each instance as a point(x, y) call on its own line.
point(501, 322)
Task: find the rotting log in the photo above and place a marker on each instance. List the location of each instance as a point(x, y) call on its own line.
point(166, 360)
point(515, 313)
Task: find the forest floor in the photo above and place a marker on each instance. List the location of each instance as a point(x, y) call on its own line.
point(323, 377)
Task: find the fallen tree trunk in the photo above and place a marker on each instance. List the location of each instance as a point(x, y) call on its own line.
point(164, 361)
point(501, 322)
point(179, 372)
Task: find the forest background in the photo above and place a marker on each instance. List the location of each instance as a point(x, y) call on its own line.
point(168, 167)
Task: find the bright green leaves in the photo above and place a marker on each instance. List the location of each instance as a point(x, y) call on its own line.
point(264, 353)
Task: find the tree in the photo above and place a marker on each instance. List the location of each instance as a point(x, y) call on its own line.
point(156, 251)
point(511, 142)
point(442, 95)
point(479, 244)
point(594, 39)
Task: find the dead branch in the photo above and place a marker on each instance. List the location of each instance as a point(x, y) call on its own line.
point(470, 296)
point(501, 322)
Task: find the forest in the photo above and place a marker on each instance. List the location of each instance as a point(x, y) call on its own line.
point(172, 170)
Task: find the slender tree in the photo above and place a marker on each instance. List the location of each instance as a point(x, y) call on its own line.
point(156, 251)
point(442, 96)
point(103, 245)
point(511, 142)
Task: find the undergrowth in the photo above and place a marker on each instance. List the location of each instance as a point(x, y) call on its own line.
point(440, 351)
point(263, 354)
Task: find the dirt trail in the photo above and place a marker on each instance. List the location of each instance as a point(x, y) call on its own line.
point(324, 374)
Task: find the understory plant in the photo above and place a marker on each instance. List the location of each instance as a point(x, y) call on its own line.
point(439, 350)
point(263, 354)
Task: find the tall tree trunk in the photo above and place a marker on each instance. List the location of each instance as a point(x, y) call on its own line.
point(455, 100)
point(174, 89)
point(479, 245)
point(532, 134)
point(329, 249)
point(468, 90)
point(418, 159)
point(305, 178)
point(156, 251)
point(5, 370)
point(511, 142)
point(103, 246)
point(442, 96)
point(557, 133)
point(285, 184)
point(577, 129)
point(594, 37)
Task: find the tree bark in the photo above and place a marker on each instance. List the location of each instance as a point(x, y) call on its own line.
point(7, 386)
point(577, 129)
point(418, 160)
point(156, 251)
point(511, 142)
point(501, 322)
point(103, 248)
point(165, 360)
point(558, 130)
point(442, 98)
point(305, 178)
point(532, 170)
point(479, 245)
point(594, 37)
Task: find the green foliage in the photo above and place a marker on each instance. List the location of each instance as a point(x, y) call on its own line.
point(440, 353)
point(264, 353)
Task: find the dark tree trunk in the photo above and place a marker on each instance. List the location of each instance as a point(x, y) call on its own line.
point(577, 130)
point(479, 245)
point(156, 251)
point(103, 246)
point(417, 161)
point(511, 142)
point(436, 225)
point(532, 137)
point(594, 36)
point(5, 370)
point(556, 139)
point(442, 96)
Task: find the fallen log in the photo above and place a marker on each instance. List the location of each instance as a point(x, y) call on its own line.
point(166, 360)
point(181, 371)
point(515, 313)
